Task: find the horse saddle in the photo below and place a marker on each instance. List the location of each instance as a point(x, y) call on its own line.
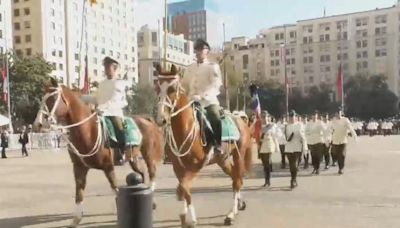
point(133, 136)
point(230, 131)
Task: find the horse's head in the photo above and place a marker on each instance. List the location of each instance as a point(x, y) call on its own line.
point(168, 89)
point(54, 106)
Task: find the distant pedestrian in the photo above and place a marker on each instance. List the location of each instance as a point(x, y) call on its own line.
point(24, 139)
point(4, 143)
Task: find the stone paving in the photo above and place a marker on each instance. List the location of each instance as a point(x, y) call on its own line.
point(38, 191)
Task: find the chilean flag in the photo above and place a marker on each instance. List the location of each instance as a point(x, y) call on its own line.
point(255, 105)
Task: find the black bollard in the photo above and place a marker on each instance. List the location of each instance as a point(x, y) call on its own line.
point(135, 203)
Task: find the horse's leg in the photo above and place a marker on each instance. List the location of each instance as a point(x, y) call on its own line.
point(110, 174)
point(184, 189)
point(147, 150)
point(134, 156)
point(235, 171)
point(80, 173)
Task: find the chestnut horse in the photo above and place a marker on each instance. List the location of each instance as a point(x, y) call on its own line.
point(64, 109)
point(188, 152)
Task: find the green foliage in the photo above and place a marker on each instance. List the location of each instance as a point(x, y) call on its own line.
point(369, 97)
point(27, 79)
point(143, 101)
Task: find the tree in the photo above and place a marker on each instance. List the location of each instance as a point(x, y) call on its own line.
point(143, 100)
point(370, 97)
point(28, 76)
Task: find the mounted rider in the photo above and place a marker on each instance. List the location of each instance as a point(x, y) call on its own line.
point(202, 81)
point(111, 99)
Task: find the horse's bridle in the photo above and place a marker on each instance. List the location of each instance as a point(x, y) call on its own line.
point(168, 131)
point(58, 91)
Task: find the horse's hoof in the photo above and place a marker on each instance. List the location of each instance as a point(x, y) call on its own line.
point(242, 205)
point(228, 221)
point(75, 222)
point(190, 225)
point(154, 206)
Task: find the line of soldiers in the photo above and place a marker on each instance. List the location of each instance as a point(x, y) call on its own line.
point(300, 138)
point(376, 127)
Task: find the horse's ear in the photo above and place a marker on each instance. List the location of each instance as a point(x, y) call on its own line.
point(53, 82)
point(158, 68)
point(174, 70)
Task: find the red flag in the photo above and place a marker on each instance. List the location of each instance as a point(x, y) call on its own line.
point(86, 85)
point(339, 84)
point(5, 84)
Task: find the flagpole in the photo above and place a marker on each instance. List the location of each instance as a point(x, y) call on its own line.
point(165, 34)
point(8, 75)
point(285, 70)
point(341, 70)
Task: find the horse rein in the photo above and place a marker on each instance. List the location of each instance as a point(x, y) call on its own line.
point(55, 126)
point(168, 131)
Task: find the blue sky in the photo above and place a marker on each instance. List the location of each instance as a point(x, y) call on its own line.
point(247, 17)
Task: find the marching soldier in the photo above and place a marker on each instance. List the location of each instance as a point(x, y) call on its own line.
point(341, 127)
point(315, 140)
point(296, 144)
point(327, 140)
point(269, 145)
point(282, 141)
point(202, 81)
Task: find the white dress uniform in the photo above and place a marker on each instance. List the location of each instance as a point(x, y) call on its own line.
point(315, 132)
point(110, 97)
point(203, 81)
point(341, 127)
point(328, 133)
point(270, 142)
point(298, 142)
point(281, 135)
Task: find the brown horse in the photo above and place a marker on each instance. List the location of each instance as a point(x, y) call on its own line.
point(64, 109)
point(188, 152)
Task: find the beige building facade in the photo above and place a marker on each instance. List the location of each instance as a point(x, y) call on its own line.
point(150, 52)
point(364, 43)
point(63, 32)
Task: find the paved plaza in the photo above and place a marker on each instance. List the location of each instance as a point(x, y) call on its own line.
point(38, 191)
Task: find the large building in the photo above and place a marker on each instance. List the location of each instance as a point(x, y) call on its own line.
point(5, 26)
point(150, 52)
point(63, 32)
point(195, 19)
point(363, 43)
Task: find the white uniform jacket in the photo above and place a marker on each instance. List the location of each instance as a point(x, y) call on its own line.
point(269, 142)
point(315, 132)
point(341, 128)
point(110, 97)
point(203, 80)
point(298, 142)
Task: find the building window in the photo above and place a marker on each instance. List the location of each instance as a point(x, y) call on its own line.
point(1, 36)
point(27, 11)
point(27, 24)
point(54, 53)
point(18, 52)
point(292, 34)
point(1, 16)
point(28, 52)
point(380, 31)
point(245, 61)
point(380, 19)
point(28, 38)
point(77, 69)
point(53, 25)
point(16, 12)
point(53, 12)
point(76, 56)
point(380, 52)
point(16, 1)
point(60, 54)
point(60, 66)
point(17, 39)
